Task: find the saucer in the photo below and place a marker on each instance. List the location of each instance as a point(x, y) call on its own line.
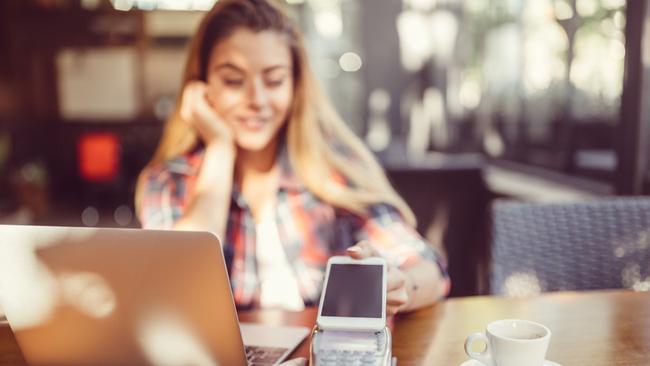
point(476, 363)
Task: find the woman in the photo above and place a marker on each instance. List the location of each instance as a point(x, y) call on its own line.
point(256, 154)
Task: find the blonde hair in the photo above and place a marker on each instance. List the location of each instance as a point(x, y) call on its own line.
point(312, 126)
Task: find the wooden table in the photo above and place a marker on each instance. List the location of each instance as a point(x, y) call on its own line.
point(602, 328)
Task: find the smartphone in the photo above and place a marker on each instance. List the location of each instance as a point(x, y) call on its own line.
point(354, 295)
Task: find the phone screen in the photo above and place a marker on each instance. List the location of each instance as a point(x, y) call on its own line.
point(354, 290)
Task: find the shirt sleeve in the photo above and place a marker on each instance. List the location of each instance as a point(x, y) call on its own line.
point(398, 242)
point(161, 204)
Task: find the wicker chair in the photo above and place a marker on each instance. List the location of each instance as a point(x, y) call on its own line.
point(598, 244)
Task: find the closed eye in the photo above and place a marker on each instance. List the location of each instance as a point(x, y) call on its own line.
point(274, 83)
point(234, 82)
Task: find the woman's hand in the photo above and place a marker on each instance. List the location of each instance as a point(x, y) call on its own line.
point(196, 110)
point(295, 362)
point(397, 296)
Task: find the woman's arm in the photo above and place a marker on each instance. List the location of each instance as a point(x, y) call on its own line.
point(210, 201)
point(419, 285)
point(417, 272)
point(162, 206)
point(170, 201)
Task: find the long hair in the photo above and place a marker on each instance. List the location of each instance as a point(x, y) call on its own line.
point(312, 126)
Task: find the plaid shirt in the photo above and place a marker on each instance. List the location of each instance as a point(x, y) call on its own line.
point(310, 230)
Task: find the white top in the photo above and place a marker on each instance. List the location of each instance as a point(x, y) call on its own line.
point(278, 284)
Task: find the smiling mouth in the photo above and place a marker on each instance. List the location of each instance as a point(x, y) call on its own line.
point(253, 123)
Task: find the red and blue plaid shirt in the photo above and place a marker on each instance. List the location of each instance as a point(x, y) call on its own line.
point(310, 230)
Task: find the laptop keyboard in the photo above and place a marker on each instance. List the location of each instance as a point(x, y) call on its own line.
point(263, 356)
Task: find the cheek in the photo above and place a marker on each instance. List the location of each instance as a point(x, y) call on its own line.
point(282, 101)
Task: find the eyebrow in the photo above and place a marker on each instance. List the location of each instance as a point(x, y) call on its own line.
point(228, 65)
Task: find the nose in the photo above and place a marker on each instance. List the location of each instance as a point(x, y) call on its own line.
point(258, 95)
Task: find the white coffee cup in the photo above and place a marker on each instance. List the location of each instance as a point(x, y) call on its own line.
point(511, 342)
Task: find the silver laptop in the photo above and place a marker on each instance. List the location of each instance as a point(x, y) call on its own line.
point(84, 296)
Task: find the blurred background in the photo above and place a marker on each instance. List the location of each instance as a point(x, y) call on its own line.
point(463, 101)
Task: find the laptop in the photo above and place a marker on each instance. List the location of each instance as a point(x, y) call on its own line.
point(88, 296)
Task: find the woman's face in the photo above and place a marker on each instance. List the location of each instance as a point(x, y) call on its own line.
point(250, 85)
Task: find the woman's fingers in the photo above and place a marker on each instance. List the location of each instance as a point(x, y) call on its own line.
point(396, 301)
point(395, 280)
point(186, 105)
point(362, 250)
point(392, 310)
point(396, 295)
point(396, 288)
point(192, 94)
point(197, 111)
point(295, 362)
point(397, 298)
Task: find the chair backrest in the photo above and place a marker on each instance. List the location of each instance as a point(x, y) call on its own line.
point(600, 244)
